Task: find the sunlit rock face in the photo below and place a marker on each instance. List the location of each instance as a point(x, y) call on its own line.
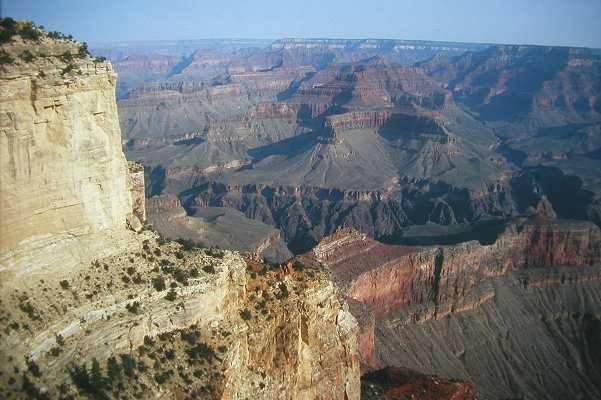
point(149, 318)
point(63, 173)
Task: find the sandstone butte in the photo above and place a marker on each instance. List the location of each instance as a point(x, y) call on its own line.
point(93, 304)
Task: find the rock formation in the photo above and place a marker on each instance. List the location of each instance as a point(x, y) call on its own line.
point(420, 307)
point(93, 309)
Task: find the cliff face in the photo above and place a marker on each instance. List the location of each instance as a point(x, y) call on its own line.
point(92, 309)
point(63, 173)
point(408, 298)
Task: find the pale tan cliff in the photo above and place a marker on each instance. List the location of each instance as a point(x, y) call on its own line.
point(92, 309)
point(62, 172)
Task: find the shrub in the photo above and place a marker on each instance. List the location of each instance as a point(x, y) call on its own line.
point(245, 314)
point(83, 50)
point(67, 56)
point(33, 367)
point(209, 269)
point(190, 336)
point(5, 58)
point(283, 291)
point(65, 284)
point(129, 365)
point(171, 295)
point(28, 309)
point(32, 391)
point(187, 245)
point(215, 252)
point(113, 369)
point(55, 351)
point(159, 283)
point(9, 29)
point(27, 56)
point(180, 275)
point(170, 354)
point(134, 307)
point(90, 382)
point(59, 339)
point(148, 341)
point(162, 377)
point(201, 350)
point(28, 31)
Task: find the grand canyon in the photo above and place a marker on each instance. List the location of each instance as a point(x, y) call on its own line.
point(298, 219)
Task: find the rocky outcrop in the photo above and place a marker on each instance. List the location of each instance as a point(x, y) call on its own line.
point(137, 189)
point(92, 309)
point(411, 290)
point(64, 176)
point(357, 120)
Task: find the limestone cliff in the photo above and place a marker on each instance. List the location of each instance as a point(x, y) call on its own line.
point(63, 174)
point(91, 309)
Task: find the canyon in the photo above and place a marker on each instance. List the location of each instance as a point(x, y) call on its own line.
point(298, 219)
point(495, 315)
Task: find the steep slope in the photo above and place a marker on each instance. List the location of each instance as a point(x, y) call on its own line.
point(518, 317)
point(91, 309)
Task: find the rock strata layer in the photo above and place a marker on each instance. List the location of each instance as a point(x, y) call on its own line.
point(422, 307)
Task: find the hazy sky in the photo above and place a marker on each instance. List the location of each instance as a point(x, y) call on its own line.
point(554, 22)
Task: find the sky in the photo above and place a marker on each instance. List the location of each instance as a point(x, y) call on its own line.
point(547, 22)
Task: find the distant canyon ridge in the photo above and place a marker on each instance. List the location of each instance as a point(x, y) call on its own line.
point(302, 136)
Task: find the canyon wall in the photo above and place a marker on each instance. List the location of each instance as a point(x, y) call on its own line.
point(445, 309)
point(92, 309)
point(63, 173)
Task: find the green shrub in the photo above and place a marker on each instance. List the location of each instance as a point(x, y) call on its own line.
point(28, 31)
point(187, 245)
point(28, 309)
point(209, 269)
point(180, 275)
point(90, 382)
point(83, 50)
point(65, 284)
point(201, 351)
point(9, 29)
point(27, 56)
point(67, 56)
point(148, 341)
point(129, 365)
point(215, 252)
point(245, 314)
point(32, 391)
point(33, 367)
point(283, 291)
point(134, 307)
point(59, 339)
point(113, 369)
point(190, 336)
point(159, 283)
point(5, 58)
point(171, 295)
